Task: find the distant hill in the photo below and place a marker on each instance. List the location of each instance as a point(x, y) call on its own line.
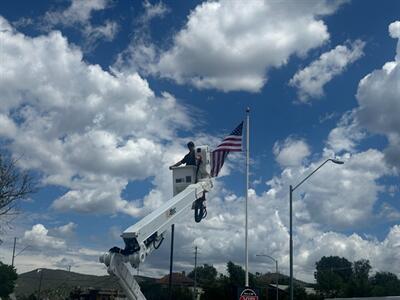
point(59, 283)
point(283, 279)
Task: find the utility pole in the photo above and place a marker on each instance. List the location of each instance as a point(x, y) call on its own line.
point(195, 273)
point(171, 261)
point(14, 248)
point(13, 255)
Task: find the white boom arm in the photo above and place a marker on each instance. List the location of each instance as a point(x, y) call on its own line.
point(147, 235)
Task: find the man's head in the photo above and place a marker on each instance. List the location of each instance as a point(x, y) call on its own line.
point(190, 146)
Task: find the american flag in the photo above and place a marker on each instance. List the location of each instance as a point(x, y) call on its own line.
point(231, 143)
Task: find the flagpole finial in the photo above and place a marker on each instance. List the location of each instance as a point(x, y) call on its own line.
point(248, 109)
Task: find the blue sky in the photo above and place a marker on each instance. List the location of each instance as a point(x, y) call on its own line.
point(99, 97)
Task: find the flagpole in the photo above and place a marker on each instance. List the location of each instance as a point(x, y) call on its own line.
point(247, 195)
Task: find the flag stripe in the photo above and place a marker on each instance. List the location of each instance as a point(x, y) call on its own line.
point(231, 143)
point(232, 138)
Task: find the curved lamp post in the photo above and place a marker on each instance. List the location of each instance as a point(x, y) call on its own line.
point(291, 189)
point(277, 274)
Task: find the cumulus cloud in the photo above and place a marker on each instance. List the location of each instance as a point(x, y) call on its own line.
point(346, 135)
point(81, 124)
point(230, 46)
point(378, 97)
point(83, 128)
point(311, 80)
point(394, 31)
point(382, 255)
point(336, 198)
point(291, 152)
point(66, 230)
point(38, 237)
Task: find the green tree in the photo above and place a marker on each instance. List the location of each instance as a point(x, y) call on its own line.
point(206, 275)
point(359, 285)
point(385, 284)
point(8, 276)
point(236, 274)
point(207, 278)
point(332, 275)
point(299, 292)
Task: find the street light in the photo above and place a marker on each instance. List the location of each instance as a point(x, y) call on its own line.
point(291, 189)
point(277, 273)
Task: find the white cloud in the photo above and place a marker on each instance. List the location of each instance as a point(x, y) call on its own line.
point(291, 152)
point(378, 96)
point(79, 15)
point(336, 197)
point(38, 237)
point(83, 128)
point(66, 230)
point(311, 80)
point(394, 30)
point(152, 11)
point(344, 196)
point(346, 135)
point(388, 212)
point(229, 45)
point(81, 124)
point(382, 255)
point(42, 246)
point(80, 11)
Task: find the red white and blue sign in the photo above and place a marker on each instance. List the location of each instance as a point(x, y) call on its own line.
point(248, 294)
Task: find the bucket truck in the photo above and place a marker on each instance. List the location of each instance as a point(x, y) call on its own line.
point(190, 185)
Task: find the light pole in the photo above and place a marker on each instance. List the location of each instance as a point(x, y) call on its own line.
point(291, 189)
point(276, 270)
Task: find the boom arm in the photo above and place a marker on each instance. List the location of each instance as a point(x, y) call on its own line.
point(146, 235)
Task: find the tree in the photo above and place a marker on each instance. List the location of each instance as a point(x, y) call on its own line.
point(332, 275)
point(236, 274)
point(206, 275)
point(385, 284)
point(359, 285)
point(299, 292)
point(14, 185)
point(8, 276)
point(207, 279)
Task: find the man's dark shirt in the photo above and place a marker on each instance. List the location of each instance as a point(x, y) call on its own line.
point(189, 159)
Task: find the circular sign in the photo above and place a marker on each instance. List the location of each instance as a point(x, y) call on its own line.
point(248, 294)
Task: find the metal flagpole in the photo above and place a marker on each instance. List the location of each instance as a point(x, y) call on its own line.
point(247, 194)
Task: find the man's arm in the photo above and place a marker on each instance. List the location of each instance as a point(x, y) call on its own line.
point(176, 165)
point(183, 161)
